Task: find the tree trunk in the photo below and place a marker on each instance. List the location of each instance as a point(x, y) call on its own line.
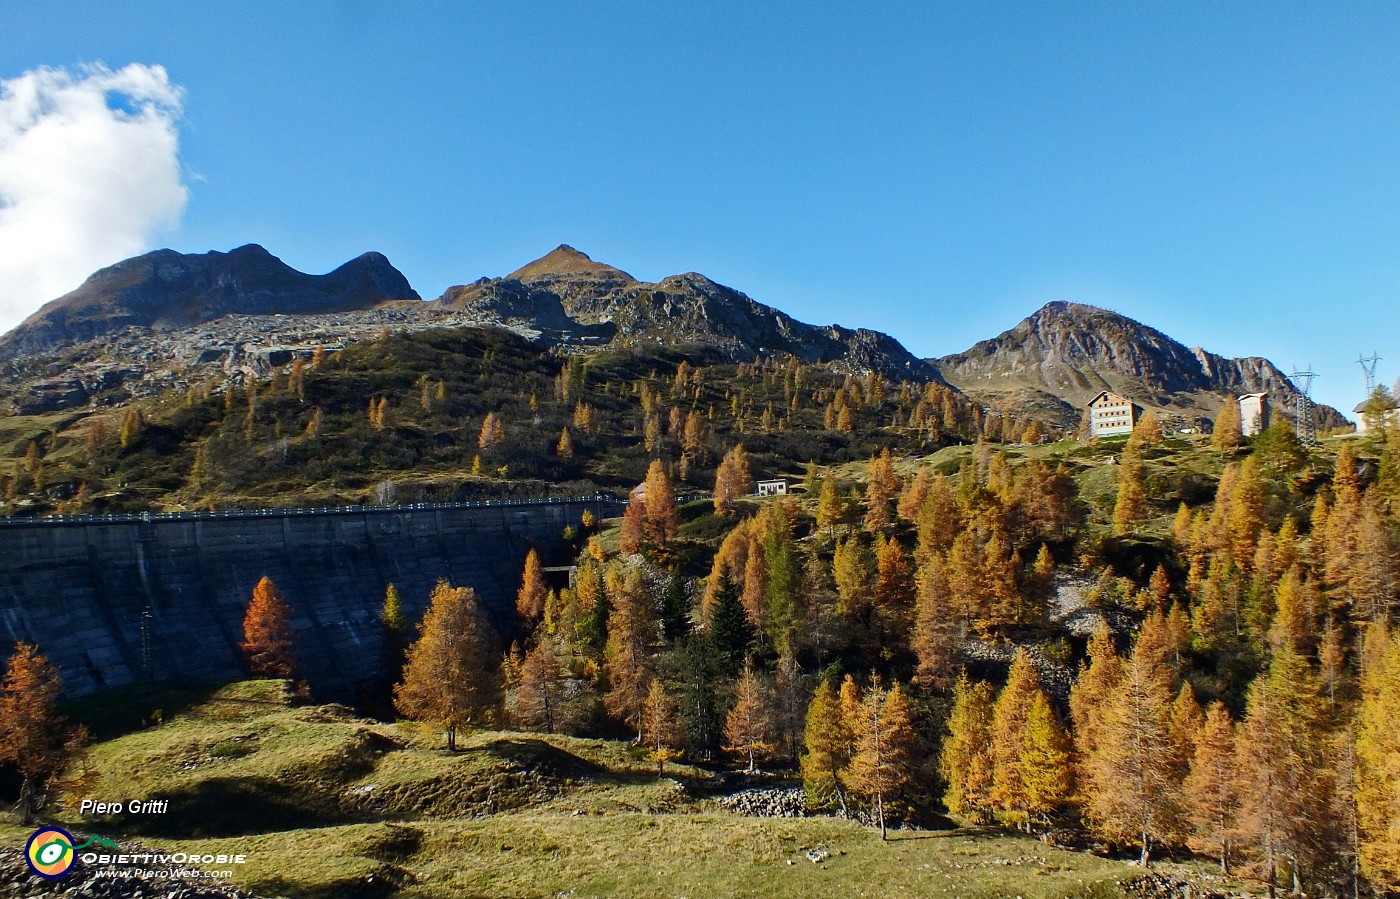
point(26, 800)
point(880, 813)
point(451, 738)
point(1146, 858)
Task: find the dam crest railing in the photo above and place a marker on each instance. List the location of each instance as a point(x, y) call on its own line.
point(599, 500)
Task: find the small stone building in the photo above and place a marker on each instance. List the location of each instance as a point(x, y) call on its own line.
point(772, 488)
point(1254, 413)
point(1391, 414)
point(1111, 414)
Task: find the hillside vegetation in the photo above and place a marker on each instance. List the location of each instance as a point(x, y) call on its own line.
point(1153, 645)
point(326, 804)
point(405, 419)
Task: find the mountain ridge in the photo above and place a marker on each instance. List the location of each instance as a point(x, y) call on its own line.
point(566, 289)
point(144, 323)
point(168, 289)
point(1060, 356)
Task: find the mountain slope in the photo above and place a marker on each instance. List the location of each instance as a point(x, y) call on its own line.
point(165, 289)
point(1061, 356)
point(566, 289)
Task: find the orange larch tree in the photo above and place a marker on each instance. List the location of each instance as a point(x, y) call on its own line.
point(630, 540)
point(530, 599)
point(662, 517)
point(733, 480)
point(748, 729)
point(451, 677)
point(267, 633)
point(34, 737)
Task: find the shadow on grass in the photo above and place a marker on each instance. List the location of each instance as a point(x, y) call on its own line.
point(538, 756)
point(228, 807)
point(377, 885)
point(123, 710)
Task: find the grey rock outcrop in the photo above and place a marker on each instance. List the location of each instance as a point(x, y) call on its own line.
point(165, 289)
point(567, 292)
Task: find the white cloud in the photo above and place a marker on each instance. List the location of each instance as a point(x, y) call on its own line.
point(89, 173)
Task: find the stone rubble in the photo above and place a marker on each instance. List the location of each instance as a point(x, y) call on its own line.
point(767, 802)
point(1163, 886)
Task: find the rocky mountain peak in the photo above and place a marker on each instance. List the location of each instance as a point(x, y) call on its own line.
point(166, 289)
point(1064, 353)
point(564, 261)
point(567, 293)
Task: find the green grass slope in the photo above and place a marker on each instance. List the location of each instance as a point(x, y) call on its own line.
point(326, 804)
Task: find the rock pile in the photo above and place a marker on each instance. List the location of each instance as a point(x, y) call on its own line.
point(17, 880)
point(767, 802)
point(1164, 886)
point(1056, 677)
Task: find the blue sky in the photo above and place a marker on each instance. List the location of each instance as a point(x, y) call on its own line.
point(1228, 173)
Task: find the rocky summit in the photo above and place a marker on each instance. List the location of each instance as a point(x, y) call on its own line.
point(1060, 357)
point(165, 289)
point(566, 292)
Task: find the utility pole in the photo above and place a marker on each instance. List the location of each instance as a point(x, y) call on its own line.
point(1306, 432)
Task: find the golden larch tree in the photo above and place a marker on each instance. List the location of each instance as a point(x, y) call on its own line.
point(1147, 431)
point(451, 676)
point(396, 628)
point(1212, 787)
point(660, 726)
point(1046, 777)
point(633, 525)
point(829, 745)
point(965, 761)
point(1131, 505)
point(881, 485)
point(733, 480)
point(1184, 726)
point(1132, 787)
point(937, 635)
point(268, 640)
point(940, 520)
point(1228, 433)
point(748, 728)
point(662, 517)
point(34, 737)
point(1378, 762)
point(1246, 515)
point(894, 578)
point(493, 432)
point(850, 569)
point(539, 688)
point(912, 498)
point(534, 592)
point(830, 510)
point(1009, 717)
point(1283, 774)
point(627, 661)
point(887, 752)
point(1089, 699)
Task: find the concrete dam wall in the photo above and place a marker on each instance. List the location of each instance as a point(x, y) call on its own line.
point(115, 601)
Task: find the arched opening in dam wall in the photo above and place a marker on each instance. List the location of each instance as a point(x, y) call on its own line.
point(116, 601)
